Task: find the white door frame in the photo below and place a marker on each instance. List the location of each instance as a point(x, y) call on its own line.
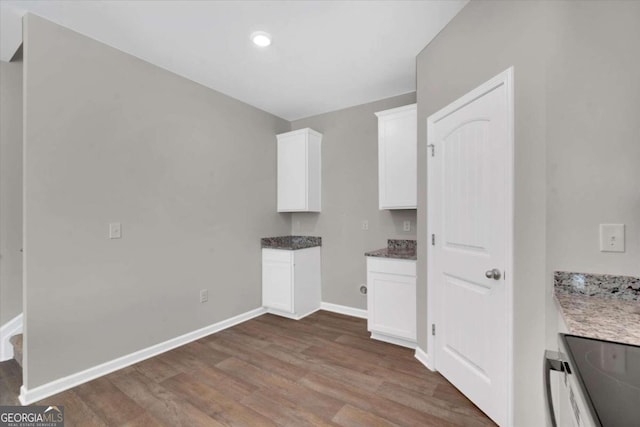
point(505, 78)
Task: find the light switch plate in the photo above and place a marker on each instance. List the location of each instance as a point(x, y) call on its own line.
point(611, 237)
point(115, 230)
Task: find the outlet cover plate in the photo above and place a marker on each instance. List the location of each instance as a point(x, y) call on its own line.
point(611, 237)
point(115, 230)
point(204, 295)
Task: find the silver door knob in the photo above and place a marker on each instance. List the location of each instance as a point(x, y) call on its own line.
point(493, 274)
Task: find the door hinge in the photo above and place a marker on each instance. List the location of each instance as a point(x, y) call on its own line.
point(433, 240)
point(433, 149)
point(433, 329)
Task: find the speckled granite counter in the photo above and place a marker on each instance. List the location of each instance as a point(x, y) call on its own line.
point(600, 306)
point(291, 242)
point(398, 249)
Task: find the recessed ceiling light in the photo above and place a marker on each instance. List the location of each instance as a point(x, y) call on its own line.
point(261, 38)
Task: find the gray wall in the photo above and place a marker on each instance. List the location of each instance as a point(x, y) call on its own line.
point(10, 190)
point(349, 196)
point(190, 174)
point(593, 142)
point(577, 102)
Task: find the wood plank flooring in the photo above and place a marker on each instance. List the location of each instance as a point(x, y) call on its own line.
point(323, 370)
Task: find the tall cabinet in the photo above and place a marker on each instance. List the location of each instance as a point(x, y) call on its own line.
point(397, 158)
point(299, 171)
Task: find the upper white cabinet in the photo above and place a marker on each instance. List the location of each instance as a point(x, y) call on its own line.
point(299, 171)
point(397, 158)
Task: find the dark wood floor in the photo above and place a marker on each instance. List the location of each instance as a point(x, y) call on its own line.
point(322, 370)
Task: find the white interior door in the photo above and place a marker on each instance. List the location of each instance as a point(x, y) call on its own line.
point(470, 211)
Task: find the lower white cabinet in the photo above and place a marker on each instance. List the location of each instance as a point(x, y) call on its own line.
point(291, 281)
point(391, 300)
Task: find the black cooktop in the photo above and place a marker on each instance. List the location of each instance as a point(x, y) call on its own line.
point(610, 375)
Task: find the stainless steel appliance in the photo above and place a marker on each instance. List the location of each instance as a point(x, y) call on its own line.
point(599, 385)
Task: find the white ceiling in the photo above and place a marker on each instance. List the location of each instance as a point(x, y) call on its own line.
point(325, 55)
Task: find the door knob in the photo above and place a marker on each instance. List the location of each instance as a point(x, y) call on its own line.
point(493, 274)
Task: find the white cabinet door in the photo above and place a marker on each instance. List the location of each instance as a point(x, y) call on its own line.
point(277, 279)
point(391, 300)
point(292, 174)
point(393, 305)
point(397, 158)
point(291, 281)
point(299, 171)
point(307, 280)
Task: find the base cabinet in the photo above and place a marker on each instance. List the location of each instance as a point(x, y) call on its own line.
point(291, 281)
point(391, 300)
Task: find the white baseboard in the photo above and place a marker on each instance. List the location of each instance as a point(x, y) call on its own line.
point(9, 329)
point(424, 359)
point(38, 393)
point(393, 340)
point(291, 316)
point(343, 309)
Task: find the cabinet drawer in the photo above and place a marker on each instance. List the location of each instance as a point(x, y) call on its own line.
point(276, 255)
point(392, 266)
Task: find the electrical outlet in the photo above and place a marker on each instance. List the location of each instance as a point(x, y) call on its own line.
point(611, 237)
point(115, 230)
point(204, 295)
point(365, 224)
point(406, 226)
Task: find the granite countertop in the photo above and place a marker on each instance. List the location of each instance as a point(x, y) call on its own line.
point(397, 249)
point(291, 242)
point(599, 306)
